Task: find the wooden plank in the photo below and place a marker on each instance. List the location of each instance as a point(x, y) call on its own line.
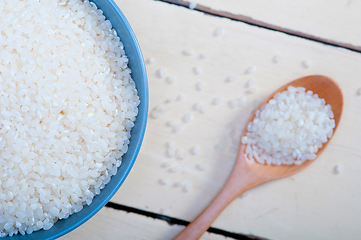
point(114, 224)
point(314, 204)
point(335, 22)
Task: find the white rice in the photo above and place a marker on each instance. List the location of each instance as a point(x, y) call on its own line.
point(172, 123)
point(171, 79)
point(203, 109)
point(242, 101)
point(180, 97)
point(167, 164)
point(277, 58)
point(307, 63)
point(180, 184)
point(198, 70)
point(68, 104)
point(250, 82)
point(187, 118)
point(150, 60)
point(290, 128)
point(198, 105)
point(161, 72)
point(219, 147)
point(178, 128)
point(175, 169)
point(170, 144)
point(170, 152)
point(202, 166)
point(201, 85)
point(193, 5)
point(170, 100)
point(218, 32)
point(217, 100)
point(339, 168)
point(251, 69)
point(205, 55)
point(233, 103)
point(232, 78)
point(179, 152)
point(252, 90)
point(195, 150)
point(188, 52)
point(188, 187)
point(164, 181)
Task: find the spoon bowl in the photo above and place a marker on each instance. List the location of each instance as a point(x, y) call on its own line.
point(247, 173)
point(327, 89)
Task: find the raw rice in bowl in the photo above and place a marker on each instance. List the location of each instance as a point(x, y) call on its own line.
point(68, 106)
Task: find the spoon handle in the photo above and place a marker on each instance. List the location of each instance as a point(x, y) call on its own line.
point(240, 180)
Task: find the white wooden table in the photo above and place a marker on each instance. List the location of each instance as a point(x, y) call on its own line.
point(314, 204)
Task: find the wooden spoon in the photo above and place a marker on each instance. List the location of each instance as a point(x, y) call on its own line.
point(247, 173)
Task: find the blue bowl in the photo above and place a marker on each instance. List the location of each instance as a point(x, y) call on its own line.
point(136, 64)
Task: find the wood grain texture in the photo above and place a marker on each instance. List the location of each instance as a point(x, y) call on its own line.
point(334, 21)
point(110, 224)
point(314, 204)
point(247, 173)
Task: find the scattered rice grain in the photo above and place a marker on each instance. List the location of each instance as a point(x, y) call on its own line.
point(250, 82)
point(217, 100)
point(188, 52)
point(161, 72)
point(307, 63)
point(188, 187)
point(193, 5)
point(205, 55)
point(180, 97)
point(201, 85)
point(167, 164)
point(252, 90)
point(171, 79)
point(195, 150)
point(218, 32)
point(164, 181)
point(198, 105)
point(150, 60)
point(202, 166)
point(180, 184)
point(198, 70)
point(339, 168)
point(187, 118)
point(232, 78)
point(251, 69)
point(242, 101)
point(277, 58)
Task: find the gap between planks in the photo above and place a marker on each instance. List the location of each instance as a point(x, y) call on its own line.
point(254, 22)
point(172, 221)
